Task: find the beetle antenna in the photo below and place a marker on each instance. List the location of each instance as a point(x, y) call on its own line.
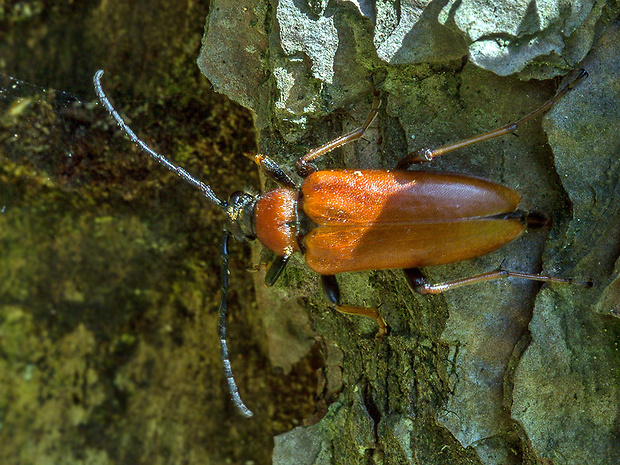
point(207, 191)
point(230, 378)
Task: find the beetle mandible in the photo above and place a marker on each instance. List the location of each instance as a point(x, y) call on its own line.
point(346, 220)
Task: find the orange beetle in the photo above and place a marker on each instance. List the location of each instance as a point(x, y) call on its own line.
point(352, 220)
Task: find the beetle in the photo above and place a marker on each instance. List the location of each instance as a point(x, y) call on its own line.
point(346, 220)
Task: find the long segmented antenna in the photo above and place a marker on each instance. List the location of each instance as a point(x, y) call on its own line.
point(230, 378)
point(208, 192)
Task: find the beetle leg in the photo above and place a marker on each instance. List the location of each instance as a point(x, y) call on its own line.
point(304, 167)
point(419, 284)
point(273, 171)
point(427, 154)
point(332, 292)
point(275, 269)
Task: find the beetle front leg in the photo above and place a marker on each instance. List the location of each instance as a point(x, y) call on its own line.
point(419, 284)
point(304, 167)
point(275, 269)
point(272, 170)
point(332, 292)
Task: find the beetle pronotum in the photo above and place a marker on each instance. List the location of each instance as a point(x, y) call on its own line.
point(352, 220)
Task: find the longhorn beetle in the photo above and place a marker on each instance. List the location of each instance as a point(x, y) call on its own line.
point(350, 220)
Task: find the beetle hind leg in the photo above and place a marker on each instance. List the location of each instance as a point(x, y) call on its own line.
point(419, 283)
point(427, 154)
point(332, 292)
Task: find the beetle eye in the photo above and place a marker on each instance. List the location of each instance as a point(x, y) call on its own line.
point(240, 212)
